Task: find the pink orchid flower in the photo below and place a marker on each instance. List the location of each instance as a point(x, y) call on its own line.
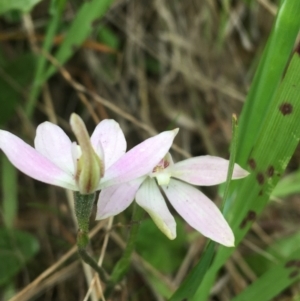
point(197, 209)
point(97, 161)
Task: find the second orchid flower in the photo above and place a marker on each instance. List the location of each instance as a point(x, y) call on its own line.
point(173, 181)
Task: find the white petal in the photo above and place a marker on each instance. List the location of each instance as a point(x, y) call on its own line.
point(53, 143)
point(111, 137)
point(150, 198)
point(199, 211)
point(140, 160)
point(115, 199)
point(205, 170)
point(32, 163)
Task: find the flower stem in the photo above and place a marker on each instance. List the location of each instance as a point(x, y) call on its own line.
point(233, 149)
point(123, 264)
point(93, 263)
point(83, 208)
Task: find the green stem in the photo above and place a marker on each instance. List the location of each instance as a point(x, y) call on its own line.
point(123, 264)
point(92, 263)
point(83, 208)
point(233, 150)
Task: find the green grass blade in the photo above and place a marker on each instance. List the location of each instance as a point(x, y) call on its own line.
point(22, 5)
point(10, 193)
point(16, 248)
point(281, 277)
point(233, 150)
point(288, 185)
point(268, 75)
point(123, 264)
point(274, 146)
point(56, 10)
point(268, 160)
point(80, 29)
point(189, 286)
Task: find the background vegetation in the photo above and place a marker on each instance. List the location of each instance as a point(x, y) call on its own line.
point(156, 65)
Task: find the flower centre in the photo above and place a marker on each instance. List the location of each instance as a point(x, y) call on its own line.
point(161, 165)
point(162, 176)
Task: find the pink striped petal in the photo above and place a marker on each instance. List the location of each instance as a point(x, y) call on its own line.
point(32, 163)
point(199, 211)
point(53, 143)
point(150, 198)
point(111, 137)
point(205, 170)
point(140, 160)
point(115, 199)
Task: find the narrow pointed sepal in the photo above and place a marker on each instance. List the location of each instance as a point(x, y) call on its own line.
point(199, 211)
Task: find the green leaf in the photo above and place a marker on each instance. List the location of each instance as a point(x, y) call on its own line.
point(269, 157)
point(108, 37)
point(152, 65)
point(288, 185)
point(158, 253)
point(268, 76)
point(16, 77)
point(56, 9)
point(280, 277)
point(279, 250)
point(10, 191)
point(190, 284)
point(264, 132)
point(22, 5)
point(123, 264)
point(16, 248)
point(80, 29)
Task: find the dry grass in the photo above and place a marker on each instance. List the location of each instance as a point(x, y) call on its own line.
point(185, 64)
